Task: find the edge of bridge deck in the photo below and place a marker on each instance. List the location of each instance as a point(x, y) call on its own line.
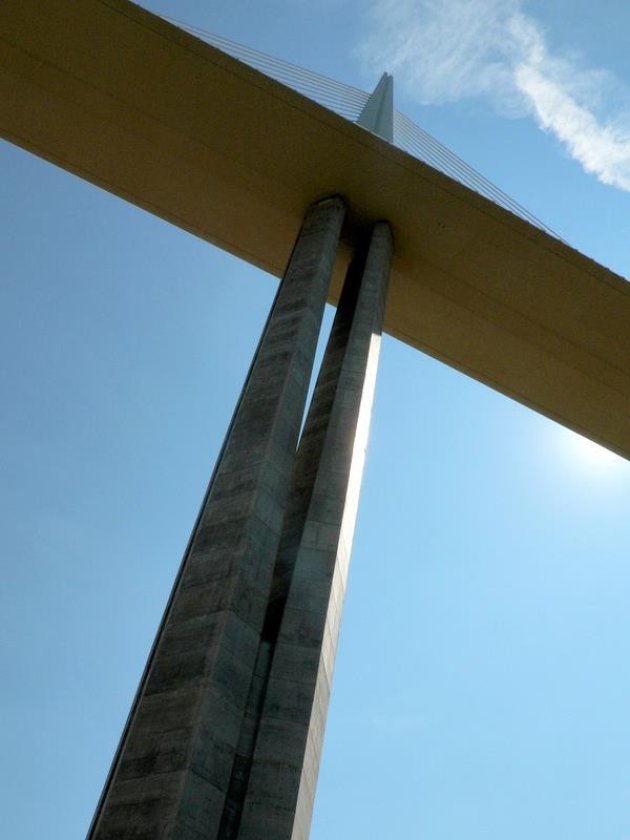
point(126, 100)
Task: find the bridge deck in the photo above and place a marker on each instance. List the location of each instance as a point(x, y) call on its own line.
point(144, 110)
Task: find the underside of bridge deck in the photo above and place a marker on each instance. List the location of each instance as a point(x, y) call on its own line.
point(126, 100)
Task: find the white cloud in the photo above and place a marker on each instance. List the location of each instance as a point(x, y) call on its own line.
point(447, 50)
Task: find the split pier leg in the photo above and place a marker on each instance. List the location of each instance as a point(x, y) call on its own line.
point(172, 770)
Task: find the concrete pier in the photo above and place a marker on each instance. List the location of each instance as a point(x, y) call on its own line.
point(225, 734)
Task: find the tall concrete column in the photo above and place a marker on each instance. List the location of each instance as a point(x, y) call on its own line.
point(174, 765)
point(302, 626)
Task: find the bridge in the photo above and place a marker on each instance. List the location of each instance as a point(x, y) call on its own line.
point(135, 105)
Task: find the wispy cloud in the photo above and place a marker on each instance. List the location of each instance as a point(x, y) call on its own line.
point(447, 50)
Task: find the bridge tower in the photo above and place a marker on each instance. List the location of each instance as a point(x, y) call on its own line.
point(224, 738)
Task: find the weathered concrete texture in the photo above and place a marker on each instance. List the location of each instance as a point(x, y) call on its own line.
point(175, 762)
point(310, 579)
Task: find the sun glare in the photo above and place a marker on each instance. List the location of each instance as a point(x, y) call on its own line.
point(590, 454)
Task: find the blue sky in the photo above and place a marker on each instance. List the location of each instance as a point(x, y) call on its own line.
point(483, 676)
